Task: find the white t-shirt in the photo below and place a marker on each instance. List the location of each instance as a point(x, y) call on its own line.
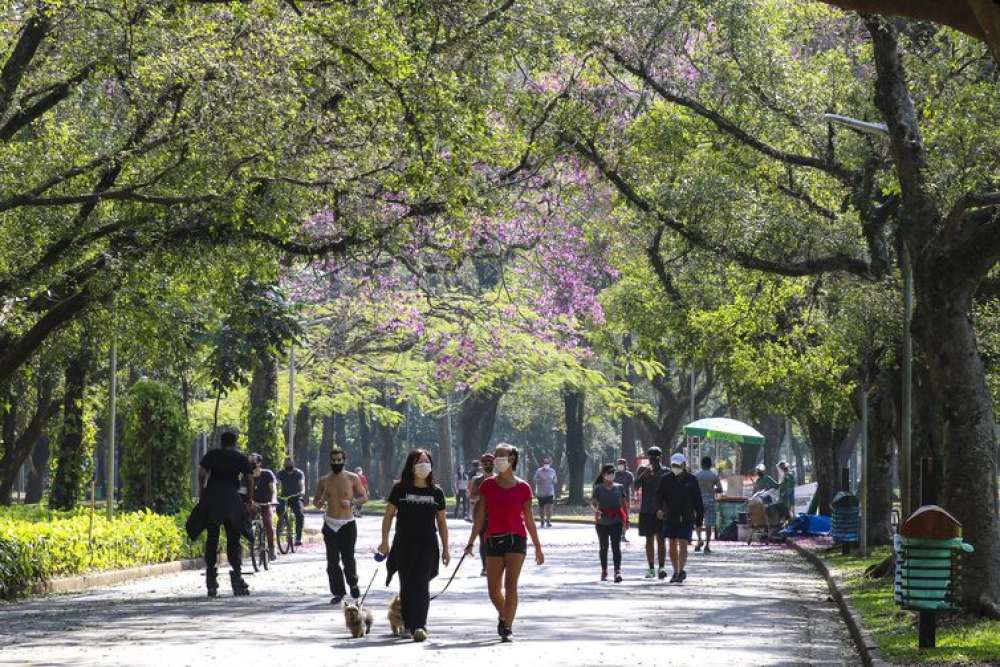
point(545, 482)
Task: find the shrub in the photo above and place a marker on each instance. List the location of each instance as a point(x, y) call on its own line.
point(155, 449)
point(62, 543)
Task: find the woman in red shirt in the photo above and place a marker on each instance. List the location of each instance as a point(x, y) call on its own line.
point(506, 501)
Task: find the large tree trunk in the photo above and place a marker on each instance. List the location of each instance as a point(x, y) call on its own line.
point(326, 440)
point(773, 428)
point(476, 420)
point(303, 434)
point(16, 450)
point(446, 467)
point(825, 440)
point(38, 475)
point(67, 479)
point(386, 439)
point(263, 432)
point(944, 332)
point(878, 477)
point(576, 452)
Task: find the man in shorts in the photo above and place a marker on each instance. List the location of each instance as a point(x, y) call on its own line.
point(647, 483)
point(681, 510)
point(545, 491)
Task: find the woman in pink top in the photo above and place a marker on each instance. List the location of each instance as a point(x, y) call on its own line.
point(506, 500)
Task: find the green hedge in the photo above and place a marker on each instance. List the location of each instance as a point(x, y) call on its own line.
point(37, 545)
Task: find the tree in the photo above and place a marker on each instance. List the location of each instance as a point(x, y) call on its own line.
point(155, 456)
point(72, 455)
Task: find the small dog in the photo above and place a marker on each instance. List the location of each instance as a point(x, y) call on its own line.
point(359, 619)
point(396, 616)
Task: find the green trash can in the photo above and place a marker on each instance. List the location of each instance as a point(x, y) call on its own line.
point(845, 524)
point(928, 572)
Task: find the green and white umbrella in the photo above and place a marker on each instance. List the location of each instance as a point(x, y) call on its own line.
point(722, 428)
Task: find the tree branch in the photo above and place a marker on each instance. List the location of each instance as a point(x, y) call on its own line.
point(34, 31)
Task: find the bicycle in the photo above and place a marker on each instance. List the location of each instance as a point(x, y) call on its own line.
point(258, 541)
point(285, 531)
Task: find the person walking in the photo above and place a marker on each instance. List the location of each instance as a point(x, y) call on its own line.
point(293, 487)
point(680, 509)
point(786, 487)
point(221, 473)
point(710, 484)
point(610, 512)
point(505, 511)
point(545, 490)
point(265, 497)
point(420, 510)
point(339, 491)
point(461, 493)
point(486, 471)
point(624, 477)
point(647, 483)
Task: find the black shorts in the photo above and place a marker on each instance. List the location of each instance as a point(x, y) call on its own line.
point(546, 500)
point(678, 530)
point(649, 524)
point(500, 545)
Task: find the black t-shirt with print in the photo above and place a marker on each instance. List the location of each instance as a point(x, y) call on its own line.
point(416, 510)
point(263, 485)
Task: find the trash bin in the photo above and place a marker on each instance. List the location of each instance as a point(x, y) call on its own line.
point(846, 519)
point(929, 551)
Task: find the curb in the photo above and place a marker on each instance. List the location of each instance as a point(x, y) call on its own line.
point(90, 580)
point(863, 641)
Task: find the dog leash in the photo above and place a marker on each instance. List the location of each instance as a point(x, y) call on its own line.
point(452, 578)
point(372, 581)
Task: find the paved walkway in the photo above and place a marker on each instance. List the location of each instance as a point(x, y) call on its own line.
point(740, 606)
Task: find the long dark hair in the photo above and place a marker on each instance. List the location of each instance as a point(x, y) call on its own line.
point(606, 468)
point(407, 478)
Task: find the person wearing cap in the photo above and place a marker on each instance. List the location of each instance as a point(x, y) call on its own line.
point(627, 480)
point(786, 487)
point(681, 510)
point(763, 481)
point(486, 471)
point(647, 483)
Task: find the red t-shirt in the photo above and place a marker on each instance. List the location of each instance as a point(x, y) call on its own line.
point(504, 507)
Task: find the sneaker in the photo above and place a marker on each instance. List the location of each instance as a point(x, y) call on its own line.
point(419, 635)
point(663, 574)
point(483, 573)
point(336, 599)
point(618, 577)
point(624, 539)
point(272, 555)
point(651, 573)
point(708, 550)
point(506, 634)
point(501, 629)
point(355, 592)
point(604, 575)
point(681, 576)
point(675, 578)
point(298, 543)
point(699, 545)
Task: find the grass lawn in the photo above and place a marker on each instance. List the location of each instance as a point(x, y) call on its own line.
point(960, 639)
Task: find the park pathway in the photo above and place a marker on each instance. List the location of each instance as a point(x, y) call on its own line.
point(740, 606)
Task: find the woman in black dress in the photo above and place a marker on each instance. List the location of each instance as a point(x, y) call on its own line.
point(421, 510)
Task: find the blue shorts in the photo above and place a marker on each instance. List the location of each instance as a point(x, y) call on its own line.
point(678, 530)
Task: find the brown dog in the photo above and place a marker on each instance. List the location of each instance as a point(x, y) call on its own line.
point(359, 620)
point(396, 616)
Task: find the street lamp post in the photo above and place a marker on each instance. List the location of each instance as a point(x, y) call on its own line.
point(905, 455)
point(290, 445)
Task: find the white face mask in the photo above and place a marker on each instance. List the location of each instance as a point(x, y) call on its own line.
point(501, 464)
point(422, 470)
point(545, 465)
point(621, 468)
point(676, 469)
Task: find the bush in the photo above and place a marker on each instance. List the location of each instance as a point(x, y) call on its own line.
point(38, 545)
point(156, 446)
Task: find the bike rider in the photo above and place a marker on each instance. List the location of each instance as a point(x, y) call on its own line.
point(293, 487)
point(265, 496)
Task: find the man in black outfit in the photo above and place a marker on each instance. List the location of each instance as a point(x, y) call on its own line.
point(225, 469)
point(681, 509)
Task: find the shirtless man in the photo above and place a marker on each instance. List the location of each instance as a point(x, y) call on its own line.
point(338, 492)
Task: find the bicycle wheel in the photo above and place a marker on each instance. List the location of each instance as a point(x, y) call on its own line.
point(289, 532)
point(283, 545)
point(255, 536)
point(262, 546)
